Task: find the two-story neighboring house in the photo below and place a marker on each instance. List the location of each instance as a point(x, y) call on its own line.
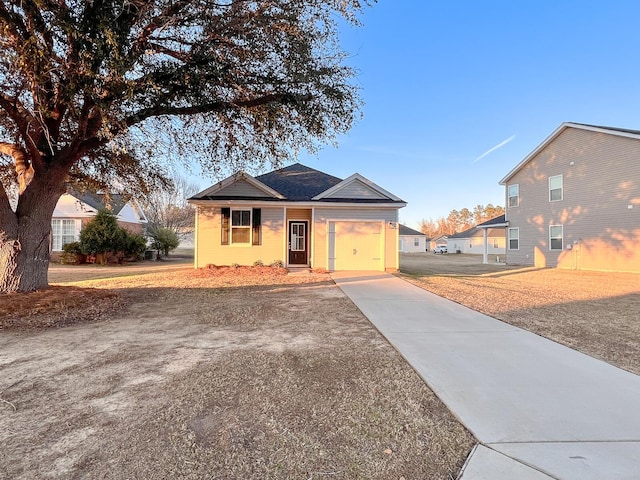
point(574, 202)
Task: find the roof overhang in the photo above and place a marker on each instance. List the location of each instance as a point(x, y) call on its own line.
point(495, 225)
point(285, 203)
point(556, 133)
point(212, 190)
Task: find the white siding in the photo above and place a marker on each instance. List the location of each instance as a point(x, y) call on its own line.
point(69, 206)
point(408, 243)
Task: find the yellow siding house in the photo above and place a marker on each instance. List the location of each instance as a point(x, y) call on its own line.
point(299, 216)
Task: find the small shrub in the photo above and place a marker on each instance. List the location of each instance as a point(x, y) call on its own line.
point(72, 254)
point(163, 239)
point(235, 265)
point(134, 245)
point(277, 264)
point(102, 235)
point(258, 263)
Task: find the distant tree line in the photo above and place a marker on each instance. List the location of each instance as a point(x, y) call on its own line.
point(459, 220)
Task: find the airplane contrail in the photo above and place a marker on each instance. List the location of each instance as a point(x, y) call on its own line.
point(492, 149)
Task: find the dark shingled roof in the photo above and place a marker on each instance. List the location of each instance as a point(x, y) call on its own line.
point(298, 182)
point(113, 202)
point(494, 221)
point(404, 230)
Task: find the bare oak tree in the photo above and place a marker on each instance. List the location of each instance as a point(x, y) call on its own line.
point(96, 92)
point(168, 207)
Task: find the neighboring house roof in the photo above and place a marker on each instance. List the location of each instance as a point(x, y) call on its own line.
point(477, 230)
point(499, 221)
point(404, 230)
point(594, 128)
point(114, 202)
point(439, 238)
point(298, 183)
point(465, 234)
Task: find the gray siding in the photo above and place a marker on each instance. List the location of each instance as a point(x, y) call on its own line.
point(357, 189)
point(241, 188)
point(601, 180)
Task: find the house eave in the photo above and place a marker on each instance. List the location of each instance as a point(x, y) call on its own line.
point(556, 133)
point(236, 178)
point(299, 204)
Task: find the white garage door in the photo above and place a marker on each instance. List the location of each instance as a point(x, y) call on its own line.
point(355, 245)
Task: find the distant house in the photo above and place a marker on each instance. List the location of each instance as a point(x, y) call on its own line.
point(473, 240)
point(438, 241)
point(412, 240)
point(574, 202)
point(300, 216)
point(74, 210)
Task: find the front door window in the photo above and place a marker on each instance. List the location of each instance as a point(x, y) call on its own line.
point(298, 243)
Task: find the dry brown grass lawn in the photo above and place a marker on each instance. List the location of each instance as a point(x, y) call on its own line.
point(214, 374)
point(594, 312)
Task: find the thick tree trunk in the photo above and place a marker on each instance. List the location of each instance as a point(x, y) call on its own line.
point(25, 240)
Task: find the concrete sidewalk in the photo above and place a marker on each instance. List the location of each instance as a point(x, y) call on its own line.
point(539, 410)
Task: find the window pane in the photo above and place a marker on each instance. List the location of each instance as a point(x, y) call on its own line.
point(514, 236)
point(68, 227)
point(240, 235)
point(513, 195)
point(241, 218)
point(555, 237)
point(555, 182)
point(555, 188)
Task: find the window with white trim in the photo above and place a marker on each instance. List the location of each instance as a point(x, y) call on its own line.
point(514, 238)
point(555, 188)
point(513, 192)
point(63, 231)
point(241, 226)
point(555, 237)
point(416, 242)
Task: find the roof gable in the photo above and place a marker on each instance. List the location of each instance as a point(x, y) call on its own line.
point(113, 202)
point(240, 185)
point(298, 183)
point(357, 187)
point(635, 134)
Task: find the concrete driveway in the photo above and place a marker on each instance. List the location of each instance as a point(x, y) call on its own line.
point(539, 410)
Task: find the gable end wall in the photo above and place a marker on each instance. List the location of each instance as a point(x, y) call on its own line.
point(601, 179)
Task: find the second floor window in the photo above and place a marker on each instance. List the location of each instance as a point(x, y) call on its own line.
point(514, 195)
point(555, 188)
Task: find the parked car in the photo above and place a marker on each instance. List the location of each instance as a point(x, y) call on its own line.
point(440, 249)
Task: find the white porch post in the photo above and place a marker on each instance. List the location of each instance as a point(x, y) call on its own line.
point(485, 246)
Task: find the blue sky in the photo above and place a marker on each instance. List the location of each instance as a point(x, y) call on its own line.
point(446, 82)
